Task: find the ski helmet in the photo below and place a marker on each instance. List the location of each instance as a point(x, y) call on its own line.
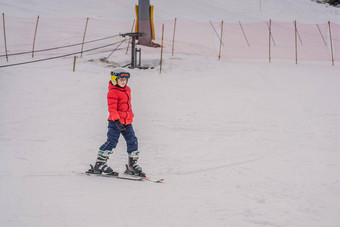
point(119, 72)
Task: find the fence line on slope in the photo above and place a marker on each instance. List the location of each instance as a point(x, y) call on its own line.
point(317, 42)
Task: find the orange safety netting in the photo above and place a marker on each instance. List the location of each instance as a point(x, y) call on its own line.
point(287, 40)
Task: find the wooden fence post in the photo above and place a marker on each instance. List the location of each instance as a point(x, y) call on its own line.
point(82, 45)
point(74, 63)
point(330, 37)
point(173, 38)
point(3, 22)
point(296, 51)
point(219, 52)
point(35, 35)
point(270, 35)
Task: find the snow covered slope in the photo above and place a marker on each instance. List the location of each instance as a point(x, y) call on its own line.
point(304, 11)
point(240, 143)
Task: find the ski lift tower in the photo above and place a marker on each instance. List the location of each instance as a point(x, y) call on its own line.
point(144, 32)
point(134, 50)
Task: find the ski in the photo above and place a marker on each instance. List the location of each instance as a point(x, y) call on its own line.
point(161, 180)
point(133, 178)
point(123, 176)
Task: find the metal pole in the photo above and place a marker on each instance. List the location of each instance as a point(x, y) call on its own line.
point(115, 49)
point(133, 46)
point(173, 38)
point(140, 57)
point(330, 37)
point(35, 35)
point(136, 50)
point(133, 52)
point(3, 22)
point(127, 49)
point(82, 45)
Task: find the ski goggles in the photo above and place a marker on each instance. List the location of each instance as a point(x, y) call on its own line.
point(121, 75)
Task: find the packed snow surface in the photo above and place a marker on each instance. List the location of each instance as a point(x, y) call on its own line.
point(238, 142)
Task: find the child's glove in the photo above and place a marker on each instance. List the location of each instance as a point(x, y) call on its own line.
point(120, 126)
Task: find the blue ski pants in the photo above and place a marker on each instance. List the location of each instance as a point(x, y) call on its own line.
point(113, 136)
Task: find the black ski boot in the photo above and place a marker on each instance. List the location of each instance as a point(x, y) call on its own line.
point(132, 168)
point(101, 166)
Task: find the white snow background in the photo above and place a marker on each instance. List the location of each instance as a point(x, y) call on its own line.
point(239, 142)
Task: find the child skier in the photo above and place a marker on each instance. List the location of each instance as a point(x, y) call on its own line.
point(120, 122)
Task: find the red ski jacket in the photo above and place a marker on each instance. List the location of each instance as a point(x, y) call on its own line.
point(119, 104)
